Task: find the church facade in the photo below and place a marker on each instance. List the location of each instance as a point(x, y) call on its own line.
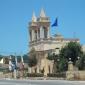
point(43, 43)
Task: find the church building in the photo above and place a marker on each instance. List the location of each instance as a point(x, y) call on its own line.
point(42, 41)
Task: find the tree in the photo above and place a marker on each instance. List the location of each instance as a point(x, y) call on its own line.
point(52, 56)
point(56, 59)
point(32, 60)
point(71, 50)
point(81, 62)
point(63, 64)
point(25, 58)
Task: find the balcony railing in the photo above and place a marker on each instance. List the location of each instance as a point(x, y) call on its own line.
point(46, 40)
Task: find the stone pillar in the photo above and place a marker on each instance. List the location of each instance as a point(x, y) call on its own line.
point(48, 35)
point(33, 70)
point(51, 66)
point(30, 37)
point(70, 66)
point(70, 72)
point(37, 69)
point(33, 35)
point(29, 69)
point(41, 33)
point(37, 35)
point(15, 73)
point(46, 68)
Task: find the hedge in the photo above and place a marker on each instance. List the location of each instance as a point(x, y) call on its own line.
point(34, 75)
point(63, 74)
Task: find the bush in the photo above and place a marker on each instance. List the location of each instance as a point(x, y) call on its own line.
point(34, 75)
point(63, 74)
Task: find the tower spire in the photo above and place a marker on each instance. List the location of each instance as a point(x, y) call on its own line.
point(34, 17)
point(42, 13)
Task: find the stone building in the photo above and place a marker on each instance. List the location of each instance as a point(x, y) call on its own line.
point(43, 42)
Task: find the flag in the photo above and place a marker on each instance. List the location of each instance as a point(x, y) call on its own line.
point(22, 60)
point(14, 66)
point(55, 23)
point(10, 64)
point(16, 60)
point(21, 66)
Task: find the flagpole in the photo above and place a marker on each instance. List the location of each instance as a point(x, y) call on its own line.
point(10, 66)
point(22, 61)
point(15, 69)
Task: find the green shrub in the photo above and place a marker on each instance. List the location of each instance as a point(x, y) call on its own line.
point(34, 75)
point(63, 74)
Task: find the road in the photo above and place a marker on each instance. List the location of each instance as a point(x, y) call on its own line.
point(41, 82)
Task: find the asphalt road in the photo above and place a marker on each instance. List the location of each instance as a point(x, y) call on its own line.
point(40, 82)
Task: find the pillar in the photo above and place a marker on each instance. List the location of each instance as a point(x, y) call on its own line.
point(41, 33)
point(70, 66)
point(37, 35)
point(37, 69)
point(70, 72)
point(29, 69)
point(15, 73)
point(30, 37)
point(48, 36)
point(33, 35)
point(51, 66)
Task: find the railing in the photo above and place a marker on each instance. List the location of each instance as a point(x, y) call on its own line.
point(52, 40)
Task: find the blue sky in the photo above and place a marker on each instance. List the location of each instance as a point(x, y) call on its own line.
point(15, 15)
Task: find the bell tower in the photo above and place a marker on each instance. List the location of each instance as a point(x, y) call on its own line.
point(44, 25)
point(33, 28)
point(39, 30)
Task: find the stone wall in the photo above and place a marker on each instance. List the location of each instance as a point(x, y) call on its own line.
point(75, 75)
point(79, 75)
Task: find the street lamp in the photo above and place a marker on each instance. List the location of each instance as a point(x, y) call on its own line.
point(69, 59)
point(78, 57)
point(58, 59)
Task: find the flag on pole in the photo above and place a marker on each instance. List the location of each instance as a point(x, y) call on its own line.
point(21, 67)
point(16, 61)
point(22, 60)
point(10, 64)
point(14, 66)
point(55, 23)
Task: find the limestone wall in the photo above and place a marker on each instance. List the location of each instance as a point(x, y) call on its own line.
point(75, 75)
point(80, 75)
point(83, 48)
